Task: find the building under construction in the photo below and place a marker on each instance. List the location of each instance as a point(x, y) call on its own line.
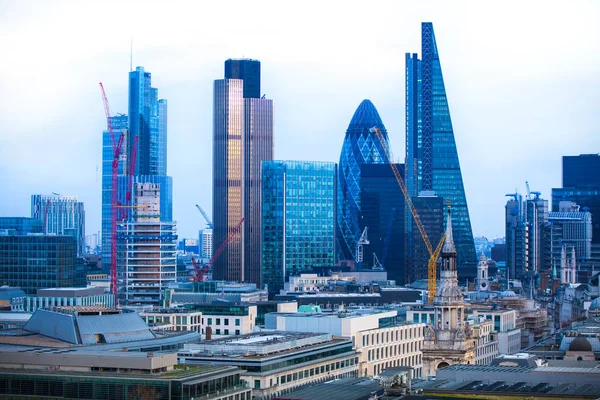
point(146, 247)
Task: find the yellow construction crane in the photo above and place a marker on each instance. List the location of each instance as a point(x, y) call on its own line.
point(434, 254)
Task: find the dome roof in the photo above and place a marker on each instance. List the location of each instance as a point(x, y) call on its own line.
point(595, 305)
point(580, 344)
point(366, 116)
point(508, 293)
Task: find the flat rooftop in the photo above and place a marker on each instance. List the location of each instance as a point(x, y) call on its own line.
point(70, 292)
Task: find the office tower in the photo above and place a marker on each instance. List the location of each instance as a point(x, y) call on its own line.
point(431, 213)
point(22, 225)
point(147, 121)
point(581, 171)
point(206, 243)
point(517, 237)
point(146, 248)
point(572, 228)
point(119, 124)
point(61, 215)
point(382, 204)
point(432, 162)
point(361, 146)
point(34, 262)
point(538, 246)
point(242, 140)
point(298, 220)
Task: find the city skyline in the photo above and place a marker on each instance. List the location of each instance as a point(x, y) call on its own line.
point(512, 93)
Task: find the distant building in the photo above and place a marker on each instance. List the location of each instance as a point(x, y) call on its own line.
point(572, 228)
point(173, 319)
point(242, 140)
point(361, 146)
point(517, 238)
point(206, 243)
point(382, 205)
point(581, 171)
point(146, 247)
point(298, 221)
point(276, 362)
point(63, 215)
point(21, 225)
point(498, 252)
point(505, 327)
point(38, 261)
point(538, 243)
point(59, 297)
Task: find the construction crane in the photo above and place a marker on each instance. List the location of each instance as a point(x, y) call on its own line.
point(117, 151)
point(359, 246)
point(209, 223)
point(434, 254)
point(201, 273)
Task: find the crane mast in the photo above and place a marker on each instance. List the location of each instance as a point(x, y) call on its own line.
point(434, 254)
point(117, 151)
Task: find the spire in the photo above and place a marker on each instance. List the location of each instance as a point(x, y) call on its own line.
point(449, 242)
point(554, 275)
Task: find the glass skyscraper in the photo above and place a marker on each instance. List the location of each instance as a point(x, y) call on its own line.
point(147, 121)
point(360, 146)
point(63, 215)
point(431, 156)
point(242, 139)
point(298, 218)
point(382, 205)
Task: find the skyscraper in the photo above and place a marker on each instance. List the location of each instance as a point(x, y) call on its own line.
point(242, 139)
point(361, 146)
point(431, 213)
point(298, 220)
point(61, 215)
point(517, 238)
point(147, 121)
point(119, 124)
point(382, 204)
point(431, 155)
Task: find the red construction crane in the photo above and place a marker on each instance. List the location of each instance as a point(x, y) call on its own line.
point(201, 273)
point(117, 150)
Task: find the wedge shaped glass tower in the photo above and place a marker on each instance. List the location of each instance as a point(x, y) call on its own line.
point(431, 156)
point(361, 146)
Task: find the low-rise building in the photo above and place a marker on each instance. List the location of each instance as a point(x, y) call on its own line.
point(275, 363)
point(504, 325)
point(54, 373)
point(486, 340)
point(57, 297)
point(377, 336)
point(173, 319)
point(226, 319)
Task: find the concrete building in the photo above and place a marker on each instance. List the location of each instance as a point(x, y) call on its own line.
point(226, 318)
point(206, 243)
point(486, 340)
point(146, 251)
point(449, 340)
point(505, 328)
point(57, 297)
point(119, 374)
point(380, 340)
point(173, 319)
point(275, 363)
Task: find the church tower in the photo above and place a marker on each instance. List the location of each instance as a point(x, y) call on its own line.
point(482, 282)
point(449, 340)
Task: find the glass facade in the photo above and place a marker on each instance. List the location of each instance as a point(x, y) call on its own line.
point(432, 156)
point(119, 123)
point(298, 218)
point(587, 198)
point(38, 262)
point(581, 171)
point(431, 212)
point(22, 225)
point(147, 121)
point(64, 215)
point(383, 214)
point(242, 140)
point(360, 146)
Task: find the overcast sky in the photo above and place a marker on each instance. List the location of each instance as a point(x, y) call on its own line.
point(522, 79)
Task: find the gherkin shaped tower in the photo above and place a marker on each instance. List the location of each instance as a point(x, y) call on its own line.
point(361, 146)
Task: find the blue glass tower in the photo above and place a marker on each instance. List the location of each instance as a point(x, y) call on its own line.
point(431, 156)
point(361, 146)
point(298, 218)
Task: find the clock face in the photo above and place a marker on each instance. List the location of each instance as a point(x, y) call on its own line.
point(483, 285)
